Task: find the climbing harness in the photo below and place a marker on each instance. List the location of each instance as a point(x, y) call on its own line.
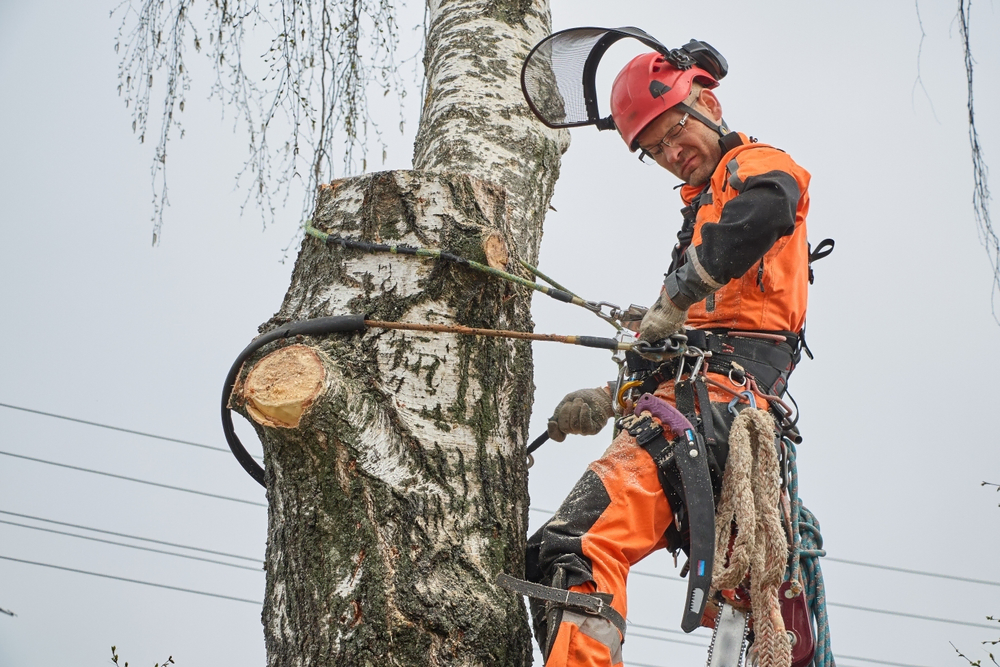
point(758, 361)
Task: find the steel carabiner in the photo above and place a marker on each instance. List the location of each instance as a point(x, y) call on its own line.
point(699, 362)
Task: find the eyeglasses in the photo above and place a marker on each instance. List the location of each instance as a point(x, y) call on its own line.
point(657, 150)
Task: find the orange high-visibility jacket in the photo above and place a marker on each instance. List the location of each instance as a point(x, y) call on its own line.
point(747, 265)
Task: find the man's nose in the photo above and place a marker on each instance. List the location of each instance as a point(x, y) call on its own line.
point(672, 154)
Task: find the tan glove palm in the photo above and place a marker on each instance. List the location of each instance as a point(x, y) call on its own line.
point(580, 412)
point(662, 319)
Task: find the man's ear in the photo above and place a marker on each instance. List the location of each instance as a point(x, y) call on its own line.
point(711, 104)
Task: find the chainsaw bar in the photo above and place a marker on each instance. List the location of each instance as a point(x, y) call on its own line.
point(728, 638)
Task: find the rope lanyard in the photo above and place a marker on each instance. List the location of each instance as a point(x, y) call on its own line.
point(585, 341)
point(557, 291)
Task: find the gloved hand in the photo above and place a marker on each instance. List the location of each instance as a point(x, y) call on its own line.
point(581, 412)
point(662, 319)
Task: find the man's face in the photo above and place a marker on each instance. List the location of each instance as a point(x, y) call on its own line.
point(692, 155)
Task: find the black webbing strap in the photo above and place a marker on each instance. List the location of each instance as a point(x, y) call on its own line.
point(684, 397)
point(594, 604)
point(649, 435)
point(824, 248)
point(705, 410)
point(769, 362)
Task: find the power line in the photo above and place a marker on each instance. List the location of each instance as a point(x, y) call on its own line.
point(250, 502)
point(132, 581)
point(831, 559)
point(240, 500)
point(131, 537)
point(675, 641)
point(906, 615)
point(133, 479)
point(887, 612)
point(657, 628)
point(908, 571)
point(859, 563)
point(664, 639)
point(118, 428)
point(878, 662)
point(133, 546)
point(657, 576)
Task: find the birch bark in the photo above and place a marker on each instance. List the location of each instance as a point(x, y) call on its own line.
point(395, 466)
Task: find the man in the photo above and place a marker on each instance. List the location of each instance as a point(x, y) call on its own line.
point(738, 282)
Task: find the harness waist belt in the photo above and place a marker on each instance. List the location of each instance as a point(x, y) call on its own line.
point(770, 362)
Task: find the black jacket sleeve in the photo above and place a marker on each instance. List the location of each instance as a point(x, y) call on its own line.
point(750, 224)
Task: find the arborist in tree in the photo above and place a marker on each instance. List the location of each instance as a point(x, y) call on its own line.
point(736, 287)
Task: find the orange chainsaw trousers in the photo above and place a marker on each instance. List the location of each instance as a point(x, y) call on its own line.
point(615, 516)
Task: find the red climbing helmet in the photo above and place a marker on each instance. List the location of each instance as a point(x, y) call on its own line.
point(648, 86)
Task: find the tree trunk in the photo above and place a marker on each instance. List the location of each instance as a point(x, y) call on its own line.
point(395, 465)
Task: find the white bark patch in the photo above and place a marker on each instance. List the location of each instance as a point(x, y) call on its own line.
point(280, 623)
point(475, 118)
point(424, 386)
point(347, 585)
point(384, 274)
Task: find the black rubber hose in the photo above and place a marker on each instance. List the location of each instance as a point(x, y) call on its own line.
point(320, 326)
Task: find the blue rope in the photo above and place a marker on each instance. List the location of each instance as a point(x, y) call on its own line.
point(806, 552)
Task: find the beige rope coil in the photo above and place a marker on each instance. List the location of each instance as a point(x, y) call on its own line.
point(751, 492)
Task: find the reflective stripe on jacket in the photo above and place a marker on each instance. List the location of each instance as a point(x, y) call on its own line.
point(747, 265)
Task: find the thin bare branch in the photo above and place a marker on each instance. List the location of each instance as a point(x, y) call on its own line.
point(320, 63)
point(980, 173)
point(919, 80)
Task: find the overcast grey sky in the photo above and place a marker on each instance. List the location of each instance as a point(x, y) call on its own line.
point(897, 408)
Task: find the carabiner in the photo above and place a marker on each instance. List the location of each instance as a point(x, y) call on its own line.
point(614, 311)
point(680, 368)
point(748, 395)
point(700, 354)
point(624, 394)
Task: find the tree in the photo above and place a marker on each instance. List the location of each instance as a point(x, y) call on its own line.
point(395, 468)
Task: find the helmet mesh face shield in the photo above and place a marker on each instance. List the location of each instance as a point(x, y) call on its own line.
point(553, 81)
point(558, 77)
